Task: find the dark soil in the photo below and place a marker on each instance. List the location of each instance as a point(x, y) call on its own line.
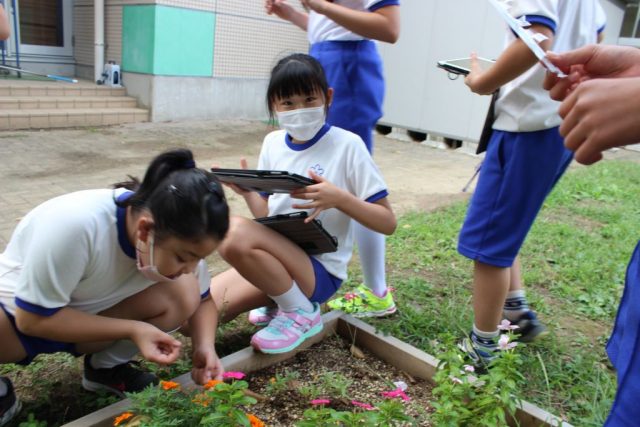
point(321, 369)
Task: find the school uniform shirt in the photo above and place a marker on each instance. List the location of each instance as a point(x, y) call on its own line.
point(73, 251)
point(523, 104)
point(342, 159)
point(320, 28)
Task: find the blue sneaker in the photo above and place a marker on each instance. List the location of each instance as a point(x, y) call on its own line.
point(480, 358)
point(529, 327)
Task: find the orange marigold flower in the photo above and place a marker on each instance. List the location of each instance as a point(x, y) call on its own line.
point(211, 384)
point(201, 399)
point(122, 417)
point(255, 421)
point(169, 385)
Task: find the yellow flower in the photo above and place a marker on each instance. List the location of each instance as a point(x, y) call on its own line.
point(211, 384)
point(272, 380)
point(121, 418)
point(169, 385)
point(255, 421)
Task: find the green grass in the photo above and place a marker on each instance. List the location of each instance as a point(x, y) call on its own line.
point(573, 264)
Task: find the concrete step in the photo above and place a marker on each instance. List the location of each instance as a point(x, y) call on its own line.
point(65, 102)
point(77, 117)
point(57, 89)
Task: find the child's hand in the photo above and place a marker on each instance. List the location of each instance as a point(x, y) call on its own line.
point(235, 188)
point(206, 366)
point(473, 78)
point(155, 345)
point(323, 195)
point(280, 8)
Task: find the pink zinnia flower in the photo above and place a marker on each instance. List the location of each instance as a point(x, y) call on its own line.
point(505, 325)
point(317, 402)
point(234, 375)
point(504, 344)
point(396, 393)
point(362, 405)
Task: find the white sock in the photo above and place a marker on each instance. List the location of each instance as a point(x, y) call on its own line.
point(371, 246)
point(293, 299)
point(118, 353)
point(516, 305)
point(3, 389)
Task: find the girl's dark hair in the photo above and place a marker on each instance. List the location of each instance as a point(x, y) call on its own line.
point(296, 74)
point(186, 202)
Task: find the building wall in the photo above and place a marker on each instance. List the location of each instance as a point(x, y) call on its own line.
point(243, 47)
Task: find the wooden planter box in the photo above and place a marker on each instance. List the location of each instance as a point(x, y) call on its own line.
point(393, 351)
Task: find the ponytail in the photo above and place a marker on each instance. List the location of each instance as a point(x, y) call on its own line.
point(185, 202)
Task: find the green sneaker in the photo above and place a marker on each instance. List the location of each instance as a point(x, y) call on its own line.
point(364, 303)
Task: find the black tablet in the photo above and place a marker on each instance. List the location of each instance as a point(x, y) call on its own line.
point(463, 65)
point(266, 181)
point(310, 236)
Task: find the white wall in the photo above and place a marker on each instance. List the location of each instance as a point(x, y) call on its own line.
point(419, 95)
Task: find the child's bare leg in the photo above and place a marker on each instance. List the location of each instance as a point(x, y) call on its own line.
point(490, 287)
point(233, 295)
point(12, 350)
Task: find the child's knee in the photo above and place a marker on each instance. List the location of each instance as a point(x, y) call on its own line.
point(178, 304)
point(238, 240)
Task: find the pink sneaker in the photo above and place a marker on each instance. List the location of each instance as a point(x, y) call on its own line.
point(288, 330)
point(262, 316)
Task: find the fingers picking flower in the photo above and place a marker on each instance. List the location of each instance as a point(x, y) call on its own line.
point(318, 402)
point(234, 375)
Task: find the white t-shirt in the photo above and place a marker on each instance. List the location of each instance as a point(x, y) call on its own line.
point(320, 28)
point(339, 156)
point(66, 253)
point(524, 105)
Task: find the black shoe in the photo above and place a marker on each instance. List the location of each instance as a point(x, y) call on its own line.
point(530, 327)
point(120, 379)
point(9, 403)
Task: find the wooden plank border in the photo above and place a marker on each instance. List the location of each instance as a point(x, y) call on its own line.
point(393, 351)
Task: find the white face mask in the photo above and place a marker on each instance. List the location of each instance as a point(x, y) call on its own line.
point(150, 271)
point(302, 124)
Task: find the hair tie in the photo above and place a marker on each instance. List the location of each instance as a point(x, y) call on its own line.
point(189, 164)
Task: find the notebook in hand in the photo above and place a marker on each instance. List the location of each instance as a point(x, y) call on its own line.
point(310, 236)
point(266, 181)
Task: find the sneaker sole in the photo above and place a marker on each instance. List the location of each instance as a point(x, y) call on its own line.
point(11, 413)
point(381, 313)
point(96, 387)
point(311, 332)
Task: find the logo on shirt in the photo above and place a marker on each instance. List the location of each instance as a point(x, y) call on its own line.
point(317, 169)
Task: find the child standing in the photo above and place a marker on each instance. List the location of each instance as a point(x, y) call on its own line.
point(108, 273)
point(525, 158)
point(340, 33)
point(267, 267)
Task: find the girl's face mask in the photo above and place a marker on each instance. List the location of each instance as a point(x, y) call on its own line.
point(302, 124)
point(150, 271)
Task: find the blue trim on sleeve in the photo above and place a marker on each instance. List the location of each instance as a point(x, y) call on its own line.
point(541, 20)
point(36, 309)
point(301, 147)
point(384, 3)
point(206, 294)
point(121, 219)
point(601, 29)
point(264, 195)
point(380, 195)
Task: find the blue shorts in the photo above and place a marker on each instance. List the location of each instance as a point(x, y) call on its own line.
point(35, 346)
point(354, 71)
point(326, 283)
point(518, 172)
point(623, 349)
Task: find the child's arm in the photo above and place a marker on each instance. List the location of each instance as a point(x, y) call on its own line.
point(513, 62)
point(377, 216)
point(285, 11)
point(74, 326)
point(382, 24)
point(4, 24)
point(202, 327)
